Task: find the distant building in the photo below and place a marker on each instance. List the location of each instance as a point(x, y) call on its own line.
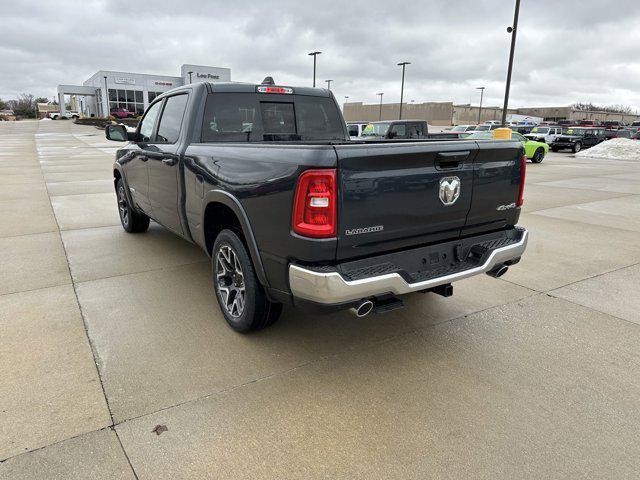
point(7, 115)
point(446, 113)
point(105, 90)
point(44, 108)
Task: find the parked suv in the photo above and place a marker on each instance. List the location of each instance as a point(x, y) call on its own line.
point(545, 134)
point(577, 138)
point(122, 113)
point(396, 129)
point(356, 129)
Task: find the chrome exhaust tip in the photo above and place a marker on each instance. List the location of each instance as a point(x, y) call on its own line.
point(363, 309)
point(498, 271)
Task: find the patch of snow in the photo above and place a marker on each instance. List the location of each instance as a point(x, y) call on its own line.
point(614, 149)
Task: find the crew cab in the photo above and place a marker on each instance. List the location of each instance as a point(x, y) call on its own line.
point(66, 115)
point(577, 138)
point(291, 211)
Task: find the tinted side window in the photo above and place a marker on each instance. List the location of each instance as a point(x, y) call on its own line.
point(353, 130)
point(171, 121)
point(149, 120)
point(400, 130)
point(318, 119)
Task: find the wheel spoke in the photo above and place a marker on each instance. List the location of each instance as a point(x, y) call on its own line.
point(230, 281)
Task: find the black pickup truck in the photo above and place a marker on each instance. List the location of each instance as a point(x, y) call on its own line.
point(265, 179)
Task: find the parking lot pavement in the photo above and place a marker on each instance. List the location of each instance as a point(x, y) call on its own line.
point(107, 335)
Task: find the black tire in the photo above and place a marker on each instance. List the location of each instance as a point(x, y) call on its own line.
point(236, 284)
point(131, 220)
point(554, 149)
point(538, 156)
point(577, 147)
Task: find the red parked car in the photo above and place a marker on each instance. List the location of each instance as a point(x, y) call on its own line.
point(122, 113)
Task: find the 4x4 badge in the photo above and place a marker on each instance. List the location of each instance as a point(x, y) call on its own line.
point(449, 190)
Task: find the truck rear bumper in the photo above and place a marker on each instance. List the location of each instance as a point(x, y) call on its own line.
point(328, 285)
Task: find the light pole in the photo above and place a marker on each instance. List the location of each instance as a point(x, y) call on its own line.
point(380, 114)
point(329, 84)
point(404, 65)
point(513, 30)
point(480, 109)
point(314, 55)
point(106, 98)
point(346, 99)
point(190, 77)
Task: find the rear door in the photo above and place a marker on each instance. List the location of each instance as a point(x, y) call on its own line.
point(391, 194)
point(164, 163)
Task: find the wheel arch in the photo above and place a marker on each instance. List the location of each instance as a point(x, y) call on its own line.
point(227, 209)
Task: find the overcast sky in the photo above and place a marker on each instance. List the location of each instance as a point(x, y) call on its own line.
point(567, 51)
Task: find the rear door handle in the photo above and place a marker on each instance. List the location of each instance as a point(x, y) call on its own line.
point(169, 161)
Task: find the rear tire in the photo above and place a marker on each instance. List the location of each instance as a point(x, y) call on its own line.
point(242, 299)
point(554, 149)
point(131, 220)
point(538, 156)
point(577, 147)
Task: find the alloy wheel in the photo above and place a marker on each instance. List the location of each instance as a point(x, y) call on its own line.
point(122, 206)
point(230, 281)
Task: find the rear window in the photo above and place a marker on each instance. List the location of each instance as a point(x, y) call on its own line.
point(246, 117)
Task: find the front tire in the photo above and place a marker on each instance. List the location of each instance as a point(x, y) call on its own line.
point(132, 221)
point(538, 156)
point(242, 300)
point(577, 147)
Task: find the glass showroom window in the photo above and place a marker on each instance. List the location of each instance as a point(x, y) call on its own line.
point(153, 95)
point(130, 100)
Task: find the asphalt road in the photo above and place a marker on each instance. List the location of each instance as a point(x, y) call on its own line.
point(104, 336)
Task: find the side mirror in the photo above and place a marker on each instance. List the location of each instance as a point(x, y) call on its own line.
point(117, 133)
point(391, 134)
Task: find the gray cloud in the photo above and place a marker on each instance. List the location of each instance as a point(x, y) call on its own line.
point(567, 51)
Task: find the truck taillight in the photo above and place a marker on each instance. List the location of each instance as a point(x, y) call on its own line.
point(523, 171)
point(315, 206)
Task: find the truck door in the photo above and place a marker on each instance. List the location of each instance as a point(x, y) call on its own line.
point(164, 163)
point(136, 170)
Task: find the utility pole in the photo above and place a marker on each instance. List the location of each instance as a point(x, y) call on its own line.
point(480, 109)
point(403, 65)
point(380, 114)
point(513, 30)
point(105, 100)
point(329, 84)
point(314, 55)
point(190, 77)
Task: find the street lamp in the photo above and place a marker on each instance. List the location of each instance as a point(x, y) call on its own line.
point(105, 100)
point(403, 65)
point(513, 31)
point(314, 55)
point(380, 114)
point(190, 77)
point(329, 84)
point(480, 109)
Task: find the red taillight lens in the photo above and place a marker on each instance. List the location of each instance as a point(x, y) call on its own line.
point(315, 206)
point(523, 171)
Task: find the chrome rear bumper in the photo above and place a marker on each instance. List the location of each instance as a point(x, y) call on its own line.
point(332, 288)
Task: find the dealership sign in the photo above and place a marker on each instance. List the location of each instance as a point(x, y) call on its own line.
point(208, 75)
point(125, 80)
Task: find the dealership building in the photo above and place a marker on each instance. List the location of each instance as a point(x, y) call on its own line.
point(106, 91)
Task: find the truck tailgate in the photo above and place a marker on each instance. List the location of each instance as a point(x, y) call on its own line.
point(390, 194)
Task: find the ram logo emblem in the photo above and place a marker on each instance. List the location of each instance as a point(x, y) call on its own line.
point(449, 190)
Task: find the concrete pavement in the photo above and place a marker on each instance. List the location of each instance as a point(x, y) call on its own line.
point(106, 335)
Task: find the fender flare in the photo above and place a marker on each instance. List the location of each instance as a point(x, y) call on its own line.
point(117, 167)
point(228, 200)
